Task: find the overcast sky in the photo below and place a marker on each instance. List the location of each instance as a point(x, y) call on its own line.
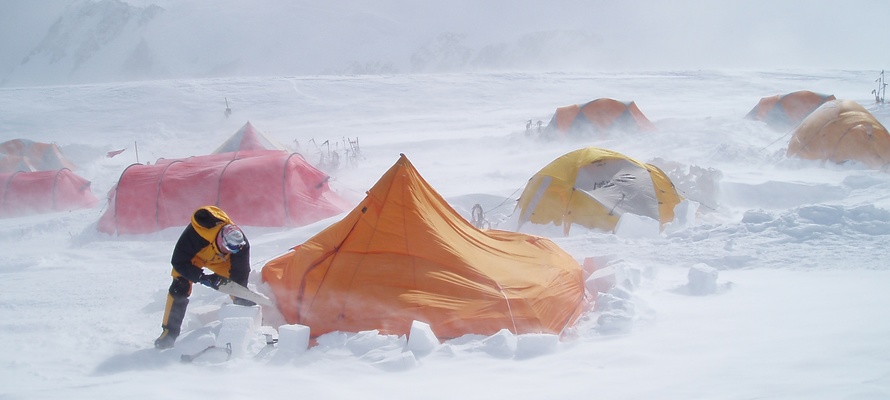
point(192, 37)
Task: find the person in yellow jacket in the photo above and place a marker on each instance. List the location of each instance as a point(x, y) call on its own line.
point(210, 241)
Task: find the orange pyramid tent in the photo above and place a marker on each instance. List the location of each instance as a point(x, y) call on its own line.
point(599, 115)
point(840, 131)
point(403, 255)
point(248, 138)
point(785, 111)
point(29, 156)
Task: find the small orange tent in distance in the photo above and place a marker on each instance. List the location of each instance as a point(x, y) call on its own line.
point(248, 138)
point(40, 192)
point(840, 131)
point(782, 112)
point(403, 254)
point(29, 156)
point(599, 115)
point(256, 188)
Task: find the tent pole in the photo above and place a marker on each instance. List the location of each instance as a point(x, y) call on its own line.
point(136, 148)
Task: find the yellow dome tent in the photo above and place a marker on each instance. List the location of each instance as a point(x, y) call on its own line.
point(840, 131)
point(593, 187)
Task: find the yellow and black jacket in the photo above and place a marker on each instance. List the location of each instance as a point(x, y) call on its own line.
point(197, 249)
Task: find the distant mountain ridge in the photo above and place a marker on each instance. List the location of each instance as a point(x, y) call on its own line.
point(112, 40)
point(59, 42)
point(84, 37)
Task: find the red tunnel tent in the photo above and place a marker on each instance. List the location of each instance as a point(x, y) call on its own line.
point(40, 192)
point(255, 188)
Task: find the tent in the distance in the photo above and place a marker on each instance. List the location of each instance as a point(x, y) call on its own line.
point(246, 139)
point(785, 111)
point(593, 187)
point(403, 255)
point(600, 115)
point(256, 188)
point(841, 131)
point(29, 156)
point(40, 192)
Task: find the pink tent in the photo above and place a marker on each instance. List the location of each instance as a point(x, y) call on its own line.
point(248, 138)
point(27, 193)
point(256, 188)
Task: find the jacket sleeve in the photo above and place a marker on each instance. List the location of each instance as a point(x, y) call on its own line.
point(240, 269)
point(188, 245)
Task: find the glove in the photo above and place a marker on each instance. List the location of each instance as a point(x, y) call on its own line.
point(212, 280)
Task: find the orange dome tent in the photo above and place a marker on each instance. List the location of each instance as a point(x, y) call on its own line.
point(256, 188)
point(785, 111)
point(40, 192)
point(29, 156)
point(403, 254)
point(840, 131)
point(599, 115)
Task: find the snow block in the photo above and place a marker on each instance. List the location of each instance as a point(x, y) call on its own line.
point(235, 311)
point(628, 277)
point(501, 344)
point(392, 360)
point(198, 352)
point(387, 352)
point(191, 344)
point(591, 264)
point(702, 280)
point(588, 266)
point(421, 339)
point(536, 344)
point(632, 226)
point(236, 331)
point(614, 322)
point(601, 280)
point(365, 341)
point(204, 314)
point(684, 216)
point(609, 302)
point(621, 293)
point(332, 340)
point(293, 338)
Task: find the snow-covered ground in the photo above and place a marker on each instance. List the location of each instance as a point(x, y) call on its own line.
point(799, 246)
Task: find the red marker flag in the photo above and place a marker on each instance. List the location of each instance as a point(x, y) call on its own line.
point(115, 152)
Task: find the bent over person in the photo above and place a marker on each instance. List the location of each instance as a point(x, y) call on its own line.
point(210, 241)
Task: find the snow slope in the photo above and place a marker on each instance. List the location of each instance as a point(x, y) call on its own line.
point(799, 246)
